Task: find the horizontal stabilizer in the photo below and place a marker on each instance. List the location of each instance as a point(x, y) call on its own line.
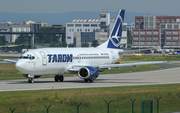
point(10, 61)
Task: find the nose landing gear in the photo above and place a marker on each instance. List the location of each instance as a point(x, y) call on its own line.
point(31, 80)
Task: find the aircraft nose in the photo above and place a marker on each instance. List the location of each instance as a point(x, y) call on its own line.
point(20, 66)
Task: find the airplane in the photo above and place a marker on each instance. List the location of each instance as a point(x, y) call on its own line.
point(86, 62)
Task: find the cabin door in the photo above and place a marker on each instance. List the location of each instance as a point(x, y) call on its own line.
point(44, 58)
point(113, 56)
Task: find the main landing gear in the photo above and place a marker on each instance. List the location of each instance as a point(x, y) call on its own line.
point(30, 80)
point(59, 78)
point(88, 80)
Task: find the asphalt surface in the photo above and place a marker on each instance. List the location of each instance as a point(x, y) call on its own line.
point(168, 75)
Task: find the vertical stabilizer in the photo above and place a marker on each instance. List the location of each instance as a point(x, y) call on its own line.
point(116, 33)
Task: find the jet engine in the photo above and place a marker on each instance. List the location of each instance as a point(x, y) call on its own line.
point(88, 72)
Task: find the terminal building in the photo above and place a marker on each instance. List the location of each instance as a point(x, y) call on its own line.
point(87, 30)
point(152, 31)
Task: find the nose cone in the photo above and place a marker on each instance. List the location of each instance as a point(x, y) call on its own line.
point(20, 67)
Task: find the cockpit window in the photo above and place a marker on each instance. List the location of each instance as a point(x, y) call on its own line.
point(26, 57)
point(31, 57)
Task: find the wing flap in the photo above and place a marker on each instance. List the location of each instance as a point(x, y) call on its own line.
point(130, 64)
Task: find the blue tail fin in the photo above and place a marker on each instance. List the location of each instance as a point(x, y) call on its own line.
point(116, 33)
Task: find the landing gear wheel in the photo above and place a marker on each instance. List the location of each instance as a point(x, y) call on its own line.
point(61, 78)
point(90, 80)
point(56, 78)
point(85, 80)
point(31, 80)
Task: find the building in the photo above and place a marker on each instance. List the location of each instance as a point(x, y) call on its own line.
point(57, 28)
point(13, 27)
point(82, 26)
point(18, 27)
point(89, 37)
point(35, 26)
point(5, 27)
point(151, 31)
point(131, 27)
point(87, 30)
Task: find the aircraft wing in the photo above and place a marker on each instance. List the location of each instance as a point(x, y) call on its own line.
point(10, 61)
point(75, 67)
point(130, 64)
point(128, 51)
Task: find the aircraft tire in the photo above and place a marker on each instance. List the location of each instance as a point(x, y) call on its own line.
point(30, 80)
point(56, 78)
point(61, 78)
point(85, 80)
point(90, 80)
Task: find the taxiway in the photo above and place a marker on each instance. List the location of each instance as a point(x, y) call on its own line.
point(169, 75)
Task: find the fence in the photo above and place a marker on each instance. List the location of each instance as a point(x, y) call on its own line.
point(76, 107)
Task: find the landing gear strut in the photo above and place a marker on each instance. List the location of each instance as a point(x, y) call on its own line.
point(88, 80)
point(59, 78)
point(31, 80)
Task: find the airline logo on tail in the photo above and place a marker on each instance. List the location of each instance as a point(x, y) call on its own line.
point(116, 33)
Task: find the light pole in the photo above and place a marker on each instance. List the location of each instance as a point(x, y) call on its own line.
point(139, 38)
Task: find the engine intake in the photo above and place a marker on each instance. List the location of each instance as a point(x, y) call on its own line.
point(88, 72)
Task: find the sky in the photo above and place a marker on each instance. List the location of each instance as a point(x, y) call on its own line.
point(164, 7)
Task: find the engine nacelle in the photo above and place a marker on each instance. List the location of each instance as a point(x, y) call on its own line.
point(88, 72)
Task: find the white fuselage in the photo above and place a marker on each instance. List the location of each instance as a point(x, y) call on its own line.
point(52, 61)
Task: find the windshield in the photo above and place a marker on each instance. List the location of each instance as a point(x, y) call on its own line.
point(27, 57)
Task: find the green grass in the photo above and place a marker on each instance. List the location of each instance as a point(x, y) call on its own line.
point(151, 58)
point(92, 99)
point(8, 71)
